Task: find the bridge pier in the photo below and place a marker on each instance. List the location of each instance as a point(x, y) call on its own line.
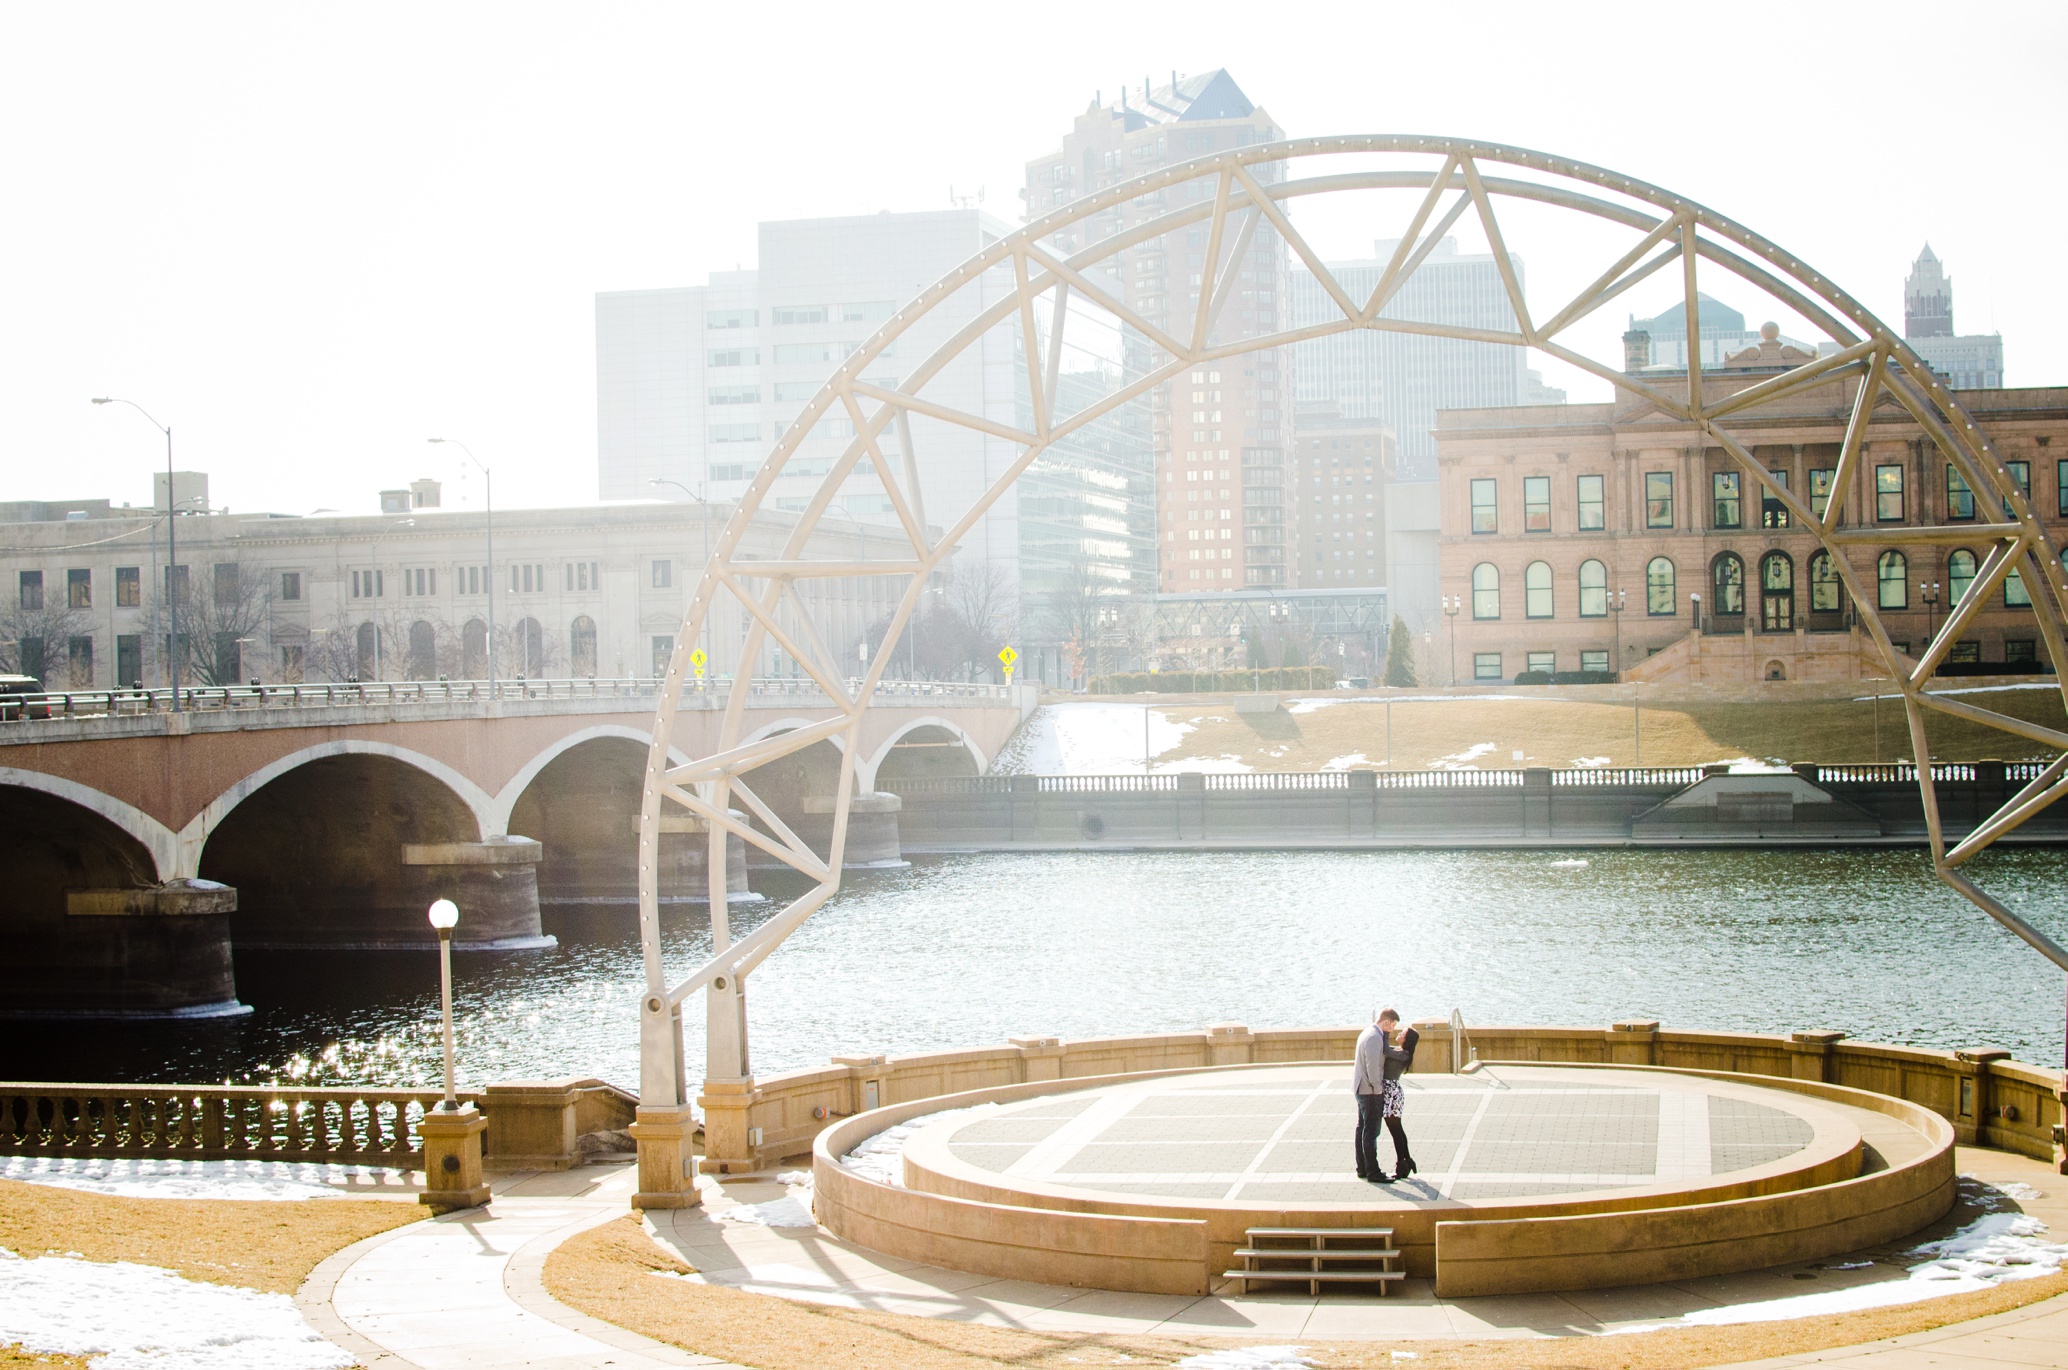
point(686, 858)
point(872, 829)
point(157, 951)
point(495, 883)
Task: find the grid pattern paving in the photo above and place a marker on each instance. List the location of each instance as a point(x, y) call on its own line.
point(1284, 1135)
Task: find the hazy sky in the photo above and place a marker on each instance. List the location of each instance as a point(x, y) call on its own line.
point(310, 236)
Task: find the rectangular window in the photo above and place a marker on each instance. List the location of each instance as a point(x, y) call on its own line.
point(290, 585)
point(869, 311)
point(1594, 661)
point(1773, 513)
point(793, 354)
point(663, 574)
point(1960, 501)
point(1729, 508)
point(129, 587)
point(2015, 596)
point(733, 394)
point(32, 589)
point(735, 432)
point(2061, 488)
point(1547, 662)
point(731, 471)
point(180, 585)
point(1658, 499)
point(663, 648)
point(789, 314)
point(367, 585)
point(1592, 505)
point(79, 589)
point(129, 661)
point(228, 584)
point(1486, 665)
point(584, 575)
point(2021, 476)
point(735, 356)
point(1485, 518)
point(732, 318)
point(1888, 494)
point(1820, 490)
point(1964, 652)
point(79, 658)
point(795, 390)
point(1536, 504)
point(2020, 649)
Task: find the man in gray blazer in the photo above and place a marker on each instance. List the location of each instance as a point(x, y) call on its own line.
point(1368, 1083)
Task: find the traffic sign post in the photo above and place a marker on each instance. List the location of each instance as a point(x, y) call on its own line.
point(697, 659)
point(1006, 657)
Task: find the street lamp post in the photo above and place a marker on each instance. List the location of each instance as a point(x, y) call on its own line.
point(172, 601)
point(445, 915)
point(1931, 603)
point(1451, 605)
point(1615, 607)
point(488, 488)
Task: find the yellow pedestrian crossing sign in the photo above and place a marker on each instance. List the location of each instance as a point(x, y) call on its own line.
point(1006, 657)
point(697, 659)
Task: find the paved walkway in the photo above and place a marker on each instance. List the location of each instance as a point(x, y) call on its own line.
point(466, 1291)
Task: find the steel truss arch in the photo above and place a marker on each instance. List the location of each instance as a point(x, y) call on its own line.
point(1040, 286)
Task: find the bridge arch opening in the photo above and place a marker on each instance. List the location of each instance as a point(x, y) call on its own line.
point(928, 749)
point(87, 934)
point(319, 853)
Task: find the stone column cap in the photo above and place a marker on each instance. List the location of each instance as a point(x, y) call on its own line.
point(496, 851)
point(517, 1089)
point(1037, 1043)
point(1817, 1037)
point(1982, 1055)
point(1228, 1030)
point(173, 898)
point(860, 1062)
point(1635, 1025)
point(452, 1123)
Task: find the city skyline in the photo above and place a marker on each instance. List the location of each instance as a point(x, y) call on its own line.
point(345, 288)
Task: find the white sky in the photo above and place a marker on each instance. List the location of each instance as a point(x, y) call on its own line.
point(310, 236)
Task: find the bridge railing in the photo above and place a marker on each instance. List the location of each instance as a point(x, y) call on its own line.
point(215, 1122)
point(707, 694)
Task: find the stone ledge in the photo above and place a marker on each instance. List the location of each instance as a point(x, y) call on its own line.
point(174, 898)
point(496, 851)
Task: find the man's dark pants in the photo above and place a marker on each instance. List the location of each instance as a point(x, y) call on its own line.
point(1367, 1139)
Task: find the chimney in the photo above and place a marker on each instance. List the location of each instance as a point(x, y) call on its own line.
point(423, 494)
point(1637, 350)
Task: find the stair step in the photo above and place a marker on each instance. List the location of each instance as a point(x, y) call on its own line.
point(1309, 1253)
point(1364, 1276)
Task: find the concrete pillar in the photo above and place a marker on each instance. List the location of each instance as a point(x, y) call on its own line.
point(1026, 807)
point(1191, 813)
point(731, 1143)
point(685, 856)
point(1362, 818)
point(1973, 1101)
point(1041, 1058)
point(1634, 1042)
point(1230, 1044)
point(1434, 1050)
point(1536, 802)
point(868, 1082)
point(495, 883)
point(1813, 1055)
point(162, 951)
point(452, 1158)
point(872, 830)
point(666, 1176)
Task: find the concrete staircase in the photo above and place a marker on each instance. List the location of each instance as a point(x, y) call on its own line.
point(1315, 1256)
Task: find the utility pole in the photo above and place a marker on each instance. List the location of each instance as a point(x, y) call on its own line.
point(172, 560)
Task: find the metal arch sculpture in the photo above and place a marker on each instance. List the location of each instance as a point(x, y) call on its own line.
point(1233, 193)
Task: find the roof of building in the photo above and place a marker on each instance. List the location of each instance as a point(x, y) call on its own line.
point(1717, 317)
point(1195, 99)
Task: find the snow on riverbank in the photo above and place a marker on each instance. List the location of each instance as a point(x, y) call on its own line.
point(882, 1157)
point(165, 1179)
point(138, 1317)
point(1101, 739)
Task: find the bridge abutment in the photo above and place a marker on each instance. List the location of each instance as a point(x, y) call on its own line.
point(495, 883)
point(872, 829)
point(157, 951)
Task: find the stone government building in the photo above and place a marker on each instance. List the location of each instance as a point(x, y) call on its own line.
point(1608, 537)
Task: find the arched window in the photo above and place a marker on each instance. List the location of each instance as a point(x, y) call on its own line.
point(369, 652)
point(1536, 589)
point(1826, 589)
point(2015, 595)
point(1892, 575)
point(1776, 593)
point(581, 646)
point(423, 651)
point(1658, 588)
point(1960, 573)
point(1727, 577)
point(530, 647)
point(1486, 590)
point(474, 650)
point(1594, 589)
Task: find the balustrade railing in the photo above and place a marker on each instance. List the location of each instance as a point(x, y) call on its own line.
point(1681, 776)
point(1279, 780)
point(211, 699)
point(202, 1123)
point(1902, 773)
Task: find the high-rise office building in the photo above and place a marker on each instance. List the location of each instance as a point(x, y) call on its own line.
point(696, 384)
point(1970, 362)
point(1402, 379)
point(1219, 434)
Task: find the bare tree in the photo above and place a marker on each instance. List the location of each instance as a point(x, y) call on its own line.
point(35, 641)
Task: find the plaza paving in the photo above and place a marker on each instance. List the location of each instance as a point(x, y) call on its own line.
point(1282, 1136)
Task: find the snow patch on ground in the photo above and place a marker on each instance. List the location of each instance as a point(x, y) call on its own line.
point(882, 1157)
point(168, 1179)
point(1344, 763)
point(1308, 706)
point(1573, 864)
point(1994, 1249)
point(138, 1317)
point(1249, 1358)
point(1750, 765)
point(1462, 761)
point(1090, 739)
point(788, 1211)
point(1589, 763)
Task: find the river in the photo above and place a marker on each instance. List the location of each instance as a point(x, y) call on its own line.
point(961, 951)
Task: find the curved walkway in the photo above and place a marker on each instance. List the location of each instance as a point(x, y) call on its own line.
point(467, 1290)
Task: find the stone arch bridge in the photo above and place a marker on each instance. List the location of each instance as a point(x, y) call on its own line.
point(142, 844)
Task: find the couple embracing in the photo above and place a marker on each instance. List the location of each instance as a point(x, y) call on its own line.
point(1384, 1052)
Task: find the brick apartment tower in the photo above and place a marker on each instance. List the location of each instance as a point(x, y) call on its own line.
point(1221, 432)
